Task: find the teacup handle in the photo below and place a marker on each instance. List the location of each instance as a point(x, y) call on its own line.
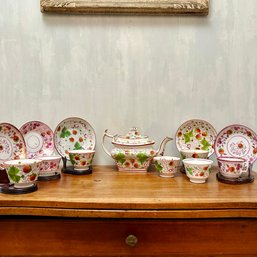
point(246, 167)
point(249, 170)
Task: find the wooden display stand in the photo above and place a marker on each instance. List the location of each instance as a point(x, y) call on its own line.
point(110, 213)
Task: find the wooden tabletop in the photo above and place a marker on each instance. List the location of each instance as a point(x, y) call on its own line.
point(108, 193)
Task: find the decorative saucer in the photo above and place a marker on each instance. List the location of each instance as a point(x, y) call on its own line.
point(74, 134)
point(196, 134)
point(10, 189)
point(55, 175)
point(39, 139)
point(235, 181)
point(12, 144)
point(238, 141)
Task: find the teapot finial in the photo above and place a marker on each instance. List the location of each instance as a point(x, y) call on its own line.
point(133, 132)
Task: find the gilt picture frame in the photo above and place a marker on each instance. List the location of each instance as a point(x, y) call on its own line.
point(150, 7)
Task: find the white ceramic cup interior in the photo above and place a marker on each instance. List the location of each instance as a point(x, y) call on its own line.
point(22, 162)
point(195, 161)
point(81, 151)
point(168, 158)
point(194, 151)
point(48, 158)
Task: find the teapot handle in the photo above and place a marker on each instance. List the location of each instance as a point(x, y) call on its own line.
point(104, 136)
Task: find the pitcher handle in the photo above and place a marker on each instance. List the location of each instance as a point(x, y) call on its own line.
point(104, 136)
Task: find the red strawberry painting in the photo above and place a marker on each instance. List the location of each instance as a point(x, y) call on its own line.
point(231, 169)
point(240, 145)
point(136, 165)
point(198, 136)
point(32, 177)
point(15, 138)
point(229, 132)
point(221, 151)
point(171, 163)
point(26, 169)
point(127, 164)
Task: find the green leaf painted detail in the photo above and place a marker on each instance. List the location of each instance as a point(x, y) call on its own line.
point(72, 159)
point(205, 144)
point(158, 167)
point(183, 156)
point(142, 157)
point(77, 146)
point(65, 133)
point(190, 170)
point(120, 157)
point(188, 136)
point(12, 172)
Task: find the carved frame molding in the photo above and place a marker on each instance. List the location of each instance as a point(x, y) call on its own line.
point(155, 7)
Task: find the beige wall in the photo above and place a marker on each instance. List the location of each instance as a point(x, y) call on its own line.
point(123, 71)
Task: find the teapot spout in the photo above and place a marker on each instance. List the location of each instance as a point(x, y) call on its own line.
point(161, 150)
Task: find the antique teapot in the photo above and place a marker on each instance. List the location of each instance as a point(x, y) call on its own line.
point(133, 151)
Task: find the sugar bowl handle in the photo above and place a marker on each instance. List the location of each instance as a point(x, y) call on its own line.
point(104, 136)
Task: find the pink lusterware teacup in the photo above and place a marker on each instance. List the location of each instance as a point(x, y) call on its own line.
point(166, 165)
point(49, 165)
point(232, 167)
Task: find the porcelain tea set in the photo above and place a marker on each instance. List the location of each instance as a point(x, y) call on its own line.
point(235, 148)
point(28, 154)
point(34, 152)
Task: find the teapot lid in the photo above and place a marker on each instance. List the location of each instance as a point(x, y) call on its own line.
point(133, 137)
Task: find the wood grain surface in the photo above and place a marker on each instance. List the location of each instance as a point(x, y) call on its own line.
point(108, 193)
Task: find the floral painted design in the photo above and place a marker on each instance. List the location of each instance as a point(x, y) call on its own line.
point(49, 165)
point(196, 134)
point(237, 141)
point(12, 144)
point(74, 134)
point(167, 167)
point(81, 160)
point(133, 159)
point(198, 171)
point(38, 138)
point(22, 174)
point(231, 169)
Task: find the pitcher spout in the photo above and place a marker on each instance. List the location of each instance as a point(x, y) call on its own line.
point(161, 150)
